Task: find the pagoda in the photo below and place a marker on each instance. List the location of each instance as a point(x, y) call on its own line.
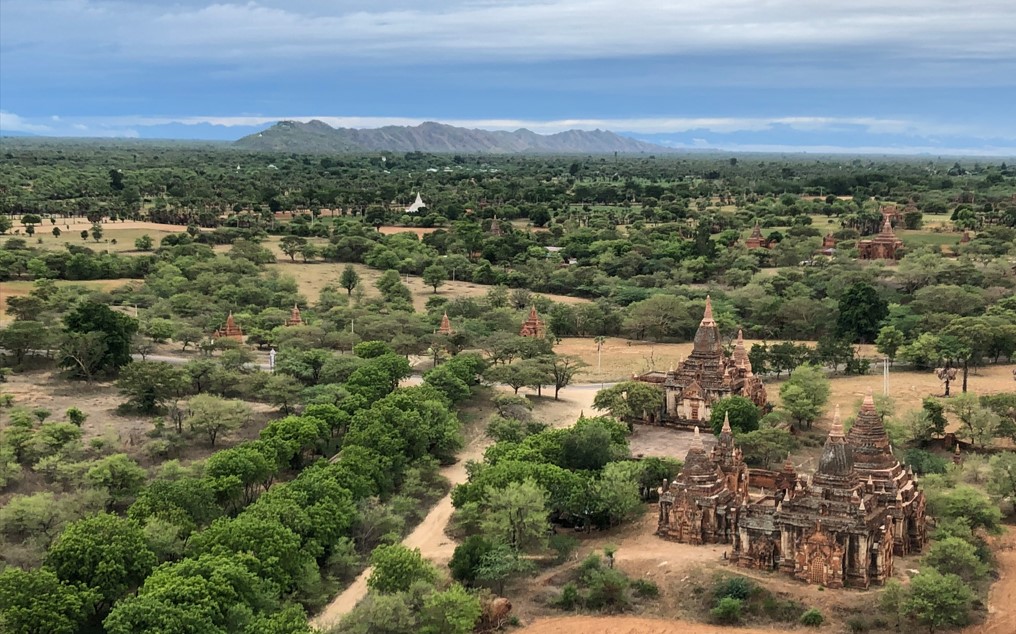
point(706, 376)
point(834, 532)
point(883, 246)
point(755, 240)
point(897, 488)
point(446, 326)
point(417, 205)
point(495, 228)
point(533, 326)
point(230, 330)
point(828, 241)
point(294, 317)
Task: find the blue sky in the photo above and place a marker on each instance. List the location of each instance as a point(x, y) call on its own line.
point(898, 76)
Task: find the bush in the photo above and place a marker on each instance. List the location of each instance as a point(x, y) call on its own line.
point(645, 589)
point(727, 611)
point(75, 416)
point(608, 590)
point(564, 545)
point(924, 462)
point(740, 588)
point(812, 618)
point(569, 598)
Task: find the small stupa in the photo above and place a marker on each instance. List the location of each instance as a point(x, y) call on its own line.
point(294, 317)
point(230, 330)
point(446, 326)
point(533, 326)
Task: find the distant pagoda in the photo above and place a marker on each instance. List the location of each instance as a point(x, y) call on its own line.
point(533, 326)
point(883, 246)
point(230, 330)
point(294, 317)
point(755, 240)
point(446, 326)
point(495, 228)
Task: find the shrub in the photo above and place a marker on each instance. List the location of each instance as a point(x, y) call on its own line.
point(644, 588)
point(590, 564)
point(924, 462)
point(727, 611)
point(739, 588)
point(812, 618)
point(564, 545)
point(75, 416)
point(569, 598)
point(608, 590)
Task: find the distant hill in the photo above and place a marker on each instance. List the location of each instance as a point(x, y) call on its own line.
point(318, 137)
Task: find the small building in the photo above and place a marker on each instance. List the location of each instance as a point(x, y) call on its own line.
point(755, 240)
point(446, 326)
point(230, 330)
point(495, 228)
point(533, 326)
point(294, 317)
point(828, 241)
point(883, 246)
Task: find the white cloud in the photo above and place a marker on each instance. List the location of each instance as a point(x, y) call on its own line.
point(10, 122)
point(317, 31)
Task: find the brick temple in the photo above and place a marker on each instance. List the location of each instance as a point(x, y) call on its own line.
point(229, 331)
point(533, 326)
point(841, 528)
point(446, 326)
point(706, 376)
point(755, 240)
point(295, 319)
point(882, 246)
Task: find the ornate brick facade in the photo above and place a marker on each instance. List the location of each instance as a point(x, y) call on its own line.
point(706, 376)
point(841, 529)
point(882, 246)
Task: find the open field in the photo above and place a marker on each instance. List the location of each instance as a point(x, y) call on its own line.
point(22, 288)
point(314, 276)
point(125, 233)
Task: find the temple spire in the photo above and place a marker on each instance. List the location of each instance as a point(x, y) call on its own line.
point(837, 428)
point(707, 317)
point(696, 442)
point(726, 424)
point(869, 401)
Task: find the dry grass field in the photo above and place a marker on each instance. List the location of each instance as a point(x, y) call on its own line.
point(21, 288)
point(125, 233)
point(314, 276)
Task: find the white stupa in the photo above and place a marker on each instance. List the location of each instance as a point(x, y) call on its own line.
point(417, 205)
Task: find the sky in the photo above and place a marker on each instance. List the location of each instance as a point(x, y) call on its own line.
point(860, 76)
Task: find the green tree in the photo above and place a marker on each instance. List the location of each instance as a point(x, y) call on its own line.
point(563, 369)
point(148, 385)
point(805, 393)
point(889, 341)
point(502, 564)
point(957, 556)
point(1002, 478)
point(115, 329)
point(766, 446)
point(861, 310)
point(291, 245)
point(396, 568)
point(105, 553)
point(516, 515)
point(144, 243)
point(434, 276)
point(118, 474)
point(96, 231)
point(391, 287)
point(36, 601)
point(938, 600)
point(744, 415)
point(213, 415)
point(24, 337)
point(349, 279)
point(83, 354)
point(467, 558)
point(629, 399)
point(453, 611)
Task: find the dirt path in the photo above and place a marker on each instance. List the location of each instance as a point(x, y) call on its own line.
point(1002, 599)
point(429, 536)
point(632, 625)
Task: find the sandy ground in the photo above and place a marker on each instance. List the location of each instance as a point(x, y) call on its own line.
point(124, 232)
point(632, 625)
point(1002, 598)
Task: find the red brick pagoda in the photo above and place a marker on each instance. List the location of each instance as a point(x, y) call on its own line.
point(533, 326)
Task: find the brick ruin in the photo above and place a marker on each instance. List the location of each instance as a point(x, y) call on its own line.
point(882, 246)
point(841, 528)
point(229, 331)
point(706, 376)
point(533, 326)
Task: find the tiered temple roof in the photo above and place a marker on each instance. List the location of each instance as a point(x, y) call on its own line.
point(230, 330)
point(755, 240)
point(533, 326)
point(294, 317)
point(446, 326)
point(882, 246)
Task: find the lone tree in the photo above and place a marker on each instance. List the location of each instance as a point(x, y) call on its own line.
point(629, 399)
point(349, 279)
point(434, 276)
point(744, 415)
point(563, 369)
point(115, 331)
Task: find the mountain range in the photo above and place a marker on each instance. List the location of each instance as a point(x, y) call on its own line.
point(319, 137)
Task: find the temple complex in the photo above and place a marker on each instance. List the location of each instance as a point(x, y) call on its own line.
point(755, 240)
point(533, 326)
point(840, 529)
point(882, 246)
point(294, 317)
point(229, 331)
point(446, 326)
point(706, 376)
